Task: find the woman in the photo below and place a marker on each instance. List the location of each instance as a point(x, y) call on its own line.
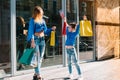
point(36, 32)
point(20, 24)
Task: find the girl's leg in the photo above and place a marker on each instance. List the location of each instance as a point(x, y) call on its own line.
point(69, 61)
point(76, 62)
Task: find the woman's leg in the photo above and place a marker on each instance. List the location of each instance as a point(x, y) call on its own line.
point(37, 52)
point(41, 54)
point(40, 50)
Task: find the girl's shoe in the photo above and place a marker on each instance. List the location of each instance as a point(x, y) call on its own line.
point(80, 77)
point(71, 76)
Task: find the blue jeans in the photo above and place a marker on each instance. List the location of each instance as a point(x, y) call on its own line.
point(40, 49)
point(71, 56)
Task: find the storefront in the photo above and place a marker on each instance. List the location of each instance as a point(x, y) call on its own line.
point(15, 14)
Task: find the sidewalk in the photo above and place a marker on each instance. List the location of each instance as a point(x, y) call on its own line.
point(101, 70)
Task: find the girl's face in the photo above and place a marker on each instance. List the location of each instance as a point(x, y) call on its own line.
point(70, 29)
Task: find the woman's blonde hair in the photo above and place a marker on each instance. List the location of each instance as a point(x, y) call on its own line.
point(37, 10)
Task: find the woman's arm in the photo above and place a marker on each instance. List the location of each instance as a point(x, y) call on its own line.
point(47, 31)
point(30, 30)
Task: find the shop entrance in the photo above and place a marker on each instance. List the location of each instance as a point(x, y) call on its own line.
point(53, 54)
point(87, 43)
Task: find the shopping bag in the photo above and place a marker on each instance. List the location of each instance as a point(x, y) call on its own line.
point(27, 56)
point(86, 28)
point(52, 38)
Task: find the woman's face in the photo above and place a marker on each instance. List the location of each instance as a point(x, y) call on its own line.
point(84, 17)
point(41, 14)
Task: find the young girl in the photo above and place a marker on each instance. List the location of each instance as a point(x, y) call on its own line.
point(72, 31)
point(37, 31)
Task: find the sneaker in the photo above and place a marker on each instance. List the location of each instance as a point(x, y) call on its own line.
point(71, 76)
point(80, 77)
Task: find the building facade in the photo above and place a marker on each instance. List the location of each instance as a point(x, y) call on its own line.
point(14, 22)
point(107, 15)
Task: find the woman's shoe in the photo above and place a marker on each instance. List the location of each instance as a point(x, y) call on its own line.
point(39, 78)
point(35, 77)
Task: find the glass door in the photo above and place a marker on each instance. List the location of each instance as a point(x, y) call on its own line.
point(24, 9)
point(75, 12)
point(5, 39)
point(73, 16)
point(71, 11)
point(53, 54)
point(86, 43)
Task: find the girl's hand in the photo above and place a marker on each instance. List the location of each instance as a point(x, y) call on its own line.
point(32, 44)
point(65, 19)
point(54, 28)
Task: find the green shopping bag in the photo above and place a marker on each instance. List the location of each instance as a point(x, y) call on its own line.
point(27, 56)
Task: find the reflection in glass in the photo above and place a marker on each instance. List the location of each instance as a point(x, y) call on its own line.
point(53, 55)
point(71, 11)
point(5, 45)
point(86, 43)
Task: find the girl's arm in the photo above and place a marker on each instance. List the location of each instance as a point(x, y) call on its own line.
point(66, 24)
point(77, 29)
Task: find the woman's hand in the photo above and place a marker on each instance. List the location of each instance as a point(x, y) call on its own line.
point(32, 44)
point(54, 28)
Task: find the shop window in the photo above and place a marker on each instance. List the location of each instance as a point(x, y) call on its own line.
point(5, 43)
point(53, 55)
point(45, 4)
point(54, 6)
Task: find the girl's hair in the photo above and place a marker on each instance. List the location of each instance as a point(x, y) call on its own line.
point(73, 25)
point(37, 10)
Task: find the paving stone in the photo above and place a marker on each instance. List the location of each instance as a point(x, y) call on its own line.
point(100, 70)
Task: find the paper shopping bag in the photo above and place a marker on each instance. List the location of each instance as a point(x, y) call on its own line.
point(86, 28)
point(52, 38)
